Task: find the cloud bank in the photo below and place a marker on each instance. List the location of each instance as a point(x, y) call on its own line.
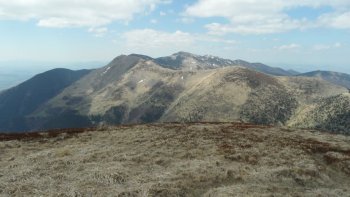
point(269, 16)
point(77, 13)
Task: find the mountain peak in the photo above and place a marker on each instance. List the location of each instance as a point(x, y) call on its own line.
point(145, 57)
point(341, 79)
point(184, 54)
point(127, 60)
point(189, 61)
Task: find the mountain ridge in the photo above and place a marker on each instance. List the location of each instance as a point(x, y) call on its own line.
point(342, 79)
point(186, 60)
point(138, 89)
point(21, 100)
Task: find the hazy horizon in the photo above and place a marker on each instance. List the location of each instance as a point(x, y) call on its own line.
point(76, 65)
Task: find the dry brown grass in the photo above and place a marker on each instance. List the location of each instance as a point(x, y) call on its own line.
point(195, 159)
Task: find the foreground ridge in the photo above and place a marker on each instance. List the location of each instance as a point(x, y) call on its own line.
point(196, 159)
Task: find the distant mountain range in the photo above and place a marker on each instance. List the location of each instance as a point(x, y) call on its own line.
point(188, 61)
point(13, 73)
point(182, 87)
point(333, 77)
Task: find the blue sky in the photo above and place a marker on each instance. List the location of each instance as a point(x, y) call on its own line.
point(303, 35)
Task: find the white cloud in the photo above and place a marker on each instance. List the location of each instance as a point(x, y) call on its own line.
point(321, 47)
point(153, 21)
point(272, 26)
point(215, 39)
point(288, 47)
point(186, 20)
point(77, 13)
point(337, 45)
point(157, 43)
point(99, 32)
point(336, 20)
point(146, 40)
point(267, 16)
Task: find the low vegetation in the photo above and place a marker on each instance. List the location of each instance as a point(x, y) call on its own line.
point(328, 114)
point(194, 159)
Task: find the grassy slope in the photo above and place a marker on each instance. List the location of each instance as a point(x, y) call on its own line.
point(222, 159)
point(331, 114)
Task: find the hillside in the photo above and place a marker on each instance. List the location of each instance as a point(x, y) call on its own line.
point(330, 114)
point(135, 89)
point(21, 100)
point(180, 88)
point(199, 159)
point(333, 77)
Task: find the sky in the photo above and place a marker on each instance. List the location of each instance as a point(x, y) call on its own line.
point(303, 35)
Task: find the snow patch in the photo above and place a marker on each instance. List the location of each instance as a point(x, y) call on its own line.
point(104, 72)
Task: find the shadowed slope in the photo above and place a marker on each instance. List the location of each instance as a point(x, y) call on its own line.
point(19, 101)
